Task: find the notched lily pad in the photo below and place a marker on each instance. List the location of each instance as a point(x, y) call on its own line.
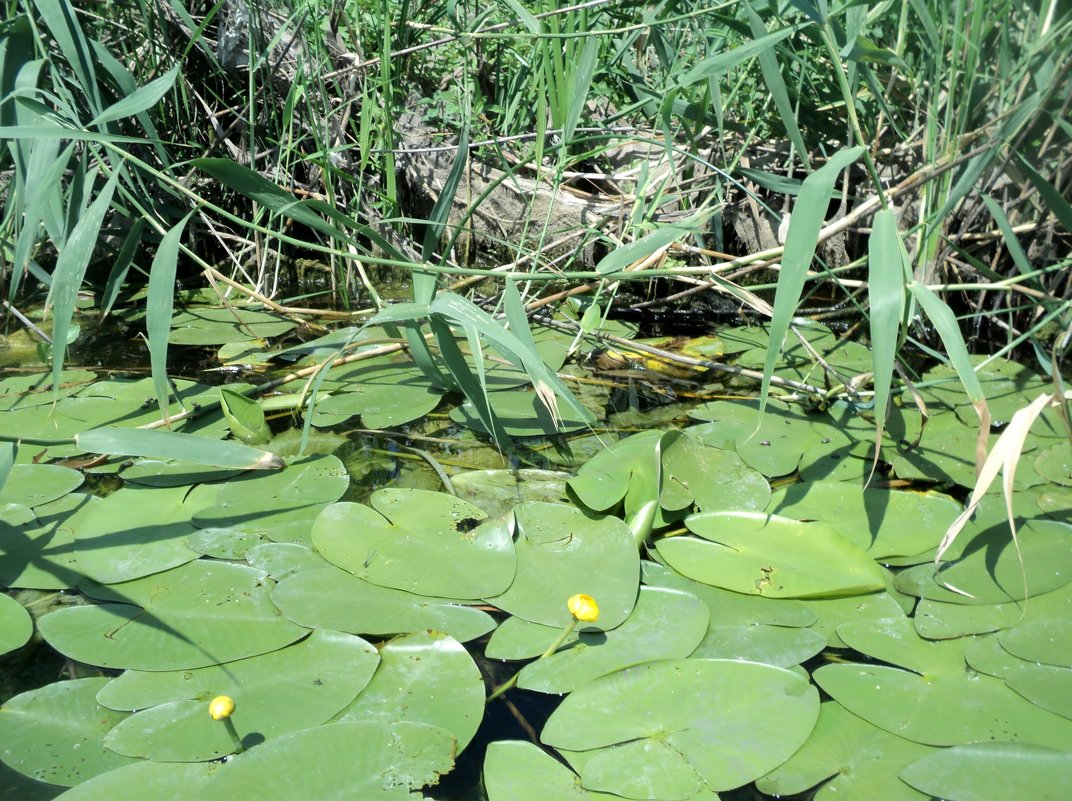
point(985, 771)
point(36, 484)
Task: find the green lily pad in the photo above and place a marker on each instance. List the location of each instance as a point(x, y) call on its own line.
point(54, 734)
point(35, 484)
point(427, 543)
point(832, 612)
point(281, 505)
point(562, 552)
point(852, 758)
point(772, 556)
point(497, 492)
point(986, 567)
point(37, 550)
point(383, 391)
point(296, 687)
point(366, 760)
point(520, 771)
point(666, 624)
point(171, 473)
point(35, 389)
point(425, 677)
point(16, 627)
point(946, 452)
point(223, 543)
point(202, 613)
point(207, 326)
point(1045, 686)
point(137, 531)
point(758, 642)
point(522, 414)
point(1048, 642)
point(712, 478)
point(629, 473)
point(1055, 464)
point(993, 772)
point(885, 523)
point(160, 781)
point(940, 620)
point(926, 677)
point(281, 560)
point(334, 599)
point(729, 722)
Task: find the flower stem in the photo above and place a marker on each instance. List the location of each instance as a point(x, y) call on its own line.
point(231, 730)
point(509, 683)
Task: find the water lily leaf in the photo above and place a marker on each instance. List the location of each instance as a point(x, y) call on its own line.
point(199, 614)
point(223, 543)
point(384, 392)
point(686, 705)
point(562, 552)
point(974, 707)
point(497, 492)
point(776, 557)
point(1048, 642)
point(712, 478)
point(54, 734)
point(986, 567)
point(37, 546)
point(15, 624)
point(1045, 686)
point(992, 771)
point(666, 624)
point(939, 620)
point(136, 531)
point(280, 506)
point(206, 326)
point(35, 484)
point(629, 471)
point(515, 770)
point(297, 687)
point(427, 543)
point(161, 781)
point(885, 523)
point(35, 389)
point(425, 677)
point(367, 759)
point(281, 560)
point(522, 414)
point(758, 642)
point(852, 757)
point(733, 608)
point(832, 612)
point(334, 599)
point(946, 452)
point(172, 473)
point(245, 417)
point(1055, 464)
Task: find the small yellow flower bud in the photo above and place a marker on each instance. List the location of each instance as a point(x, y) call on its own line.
point(221, 707)
point(584, 608)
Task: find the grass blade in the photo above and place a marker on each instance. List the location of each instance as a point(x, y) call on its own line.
point(142, 98)
point(59, 16)
point(158, 311)
point(716, 65)
point(172, 445)
point(71, 269)
point(888, 272)
point(621, 257)
point(424, 283)
point(800, 241)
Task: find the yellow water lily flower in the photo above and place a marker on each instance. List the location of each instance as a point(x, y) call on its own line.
point(584, 608)
point(222, 707)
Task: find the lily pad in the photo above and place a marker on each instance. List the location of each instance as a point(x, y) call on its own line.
point(384, 392)
point(223, 543)
point(54, 734)
point(281, 560)
point(885, 523)
point(16, 627)
point(497, 492)
point(207, 326)
point(926, 677)
point(427, 543)
point(35, 484)
point(771, 556)
point(522, 414)
point(940, 620)
point(562, 552)
point(666, 624)
point(366, 760)
point(294, 688)
point(1048, 642)
point(993, 772)
point(712, 478)
point(425, 677)
point(851, 758)
point(136, 531)
point(771, 645)
point(202, 613)
point(37, 550)
point(986, 567)
point(171, 473)
point(629, 473)
point(832, 612)
point(282, 505)
point(334, 599)
point(729, 722)
point(520, 771)
point(160, 781)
